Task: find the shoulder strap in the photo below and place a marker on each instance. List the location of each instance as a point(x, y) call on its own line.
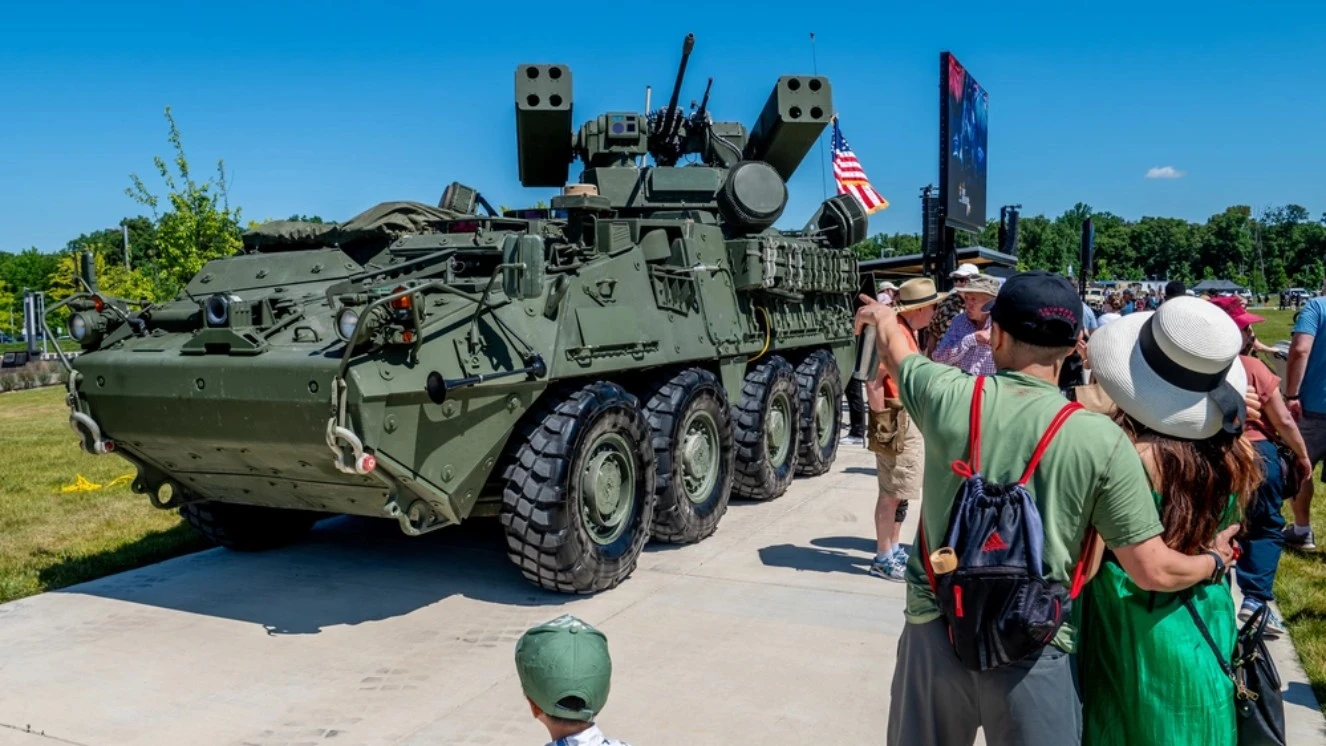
point(1201, 626)
point(1080, 569)
point(972, 465)
point(1058, 422)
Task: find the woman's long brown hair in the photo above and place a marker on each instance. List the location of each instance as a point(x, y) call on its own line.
point(1196, 478)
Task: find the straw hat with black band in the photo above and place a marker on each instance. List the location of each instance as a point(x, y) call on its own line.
point(1174, 369)
point(917, 293)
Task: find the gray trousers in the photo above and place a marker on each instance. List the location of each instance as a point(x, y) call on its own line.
point(938, 702)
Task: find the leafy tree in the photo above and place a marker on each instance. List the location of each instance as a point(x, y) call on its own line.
point(194, 223)
point(10, 303)
point(112, 279)
point(30, 269)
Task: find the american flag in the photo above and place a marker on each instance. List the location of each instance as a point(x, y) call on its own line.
point(849, 175)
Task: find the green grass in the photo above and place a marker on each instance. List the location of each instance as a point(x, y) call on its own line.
point(1300, 583)
point(53, 539)
point(68, 345)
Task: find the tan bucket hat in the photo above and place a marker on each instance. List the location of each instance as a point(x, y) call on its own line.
point(917, 293)
point(981, 284)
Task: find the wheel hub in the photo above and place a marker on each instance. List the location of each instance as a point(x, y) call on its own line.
point(823, 416)
point(699, 457)
point(607, 488)
point(776, 431)
point(604, 483)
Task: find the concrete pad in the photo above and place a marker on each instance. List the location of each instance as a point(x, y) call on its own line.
point(768, 632)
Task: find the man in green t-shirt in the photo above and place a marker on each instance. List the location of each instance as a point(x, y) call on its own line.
point(1090, 476)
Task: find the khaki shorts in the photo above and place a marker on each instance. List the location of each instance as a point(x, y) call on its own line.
point(900, 474)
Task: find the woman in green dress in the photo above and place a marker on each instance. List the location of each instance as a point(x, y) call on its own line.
point(1147, 673)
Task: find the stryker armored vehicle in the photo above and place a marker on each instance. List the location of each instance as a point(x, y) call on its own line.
point(613, 367)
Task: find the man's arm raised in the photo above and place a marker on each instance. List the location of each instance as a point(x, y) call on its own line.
point(889, 341)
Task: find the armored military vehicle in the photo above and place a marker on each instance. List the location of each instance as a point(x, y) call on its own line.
point(613, 367)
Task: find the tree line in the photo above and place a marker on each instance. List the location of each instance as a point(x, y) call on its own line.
point(1280, 248)
point(192, 222)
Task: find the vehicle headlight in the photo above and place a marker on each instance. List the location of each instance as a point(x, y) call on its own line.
point(346, 321)
point(77, 327)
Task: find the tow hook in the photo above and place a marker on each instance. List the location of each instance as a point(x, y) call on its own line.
point(363, 463)
point(89, 434)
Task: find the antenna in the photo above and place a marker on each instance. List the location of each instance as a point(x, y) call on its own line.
point(648, 94)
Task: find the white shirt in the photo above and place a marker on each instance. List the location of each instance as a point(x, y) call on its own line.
point(591, 736)
point(1106, 318)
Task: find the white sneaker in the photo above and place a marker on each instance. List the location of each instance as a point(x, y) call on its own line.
point(852, 440)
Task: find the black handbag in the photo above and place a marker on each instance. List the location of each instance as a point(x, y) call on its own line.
point(1257, 698)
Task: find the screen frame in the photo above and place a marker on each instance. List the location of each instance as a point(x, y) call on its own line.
point(976, 224)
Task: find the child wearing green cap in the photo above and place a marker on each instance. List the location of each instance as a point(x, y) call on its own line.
point(565, 672)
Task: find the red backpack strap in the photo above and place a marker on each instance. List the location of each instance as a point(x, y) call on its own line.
point(1080, 569)
point(1058, 422)
point(972, 465)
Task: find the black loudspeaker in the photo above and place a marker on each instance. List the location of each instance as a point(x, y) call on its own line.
point(1088, 253)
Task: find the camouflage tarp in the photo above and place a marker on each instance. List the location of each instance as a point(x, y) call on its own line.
point(289, 234)
point(390, 220)
point(379, 224)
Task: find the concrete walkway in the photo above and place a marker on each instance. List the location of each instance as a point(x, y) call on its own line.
point(769, 632)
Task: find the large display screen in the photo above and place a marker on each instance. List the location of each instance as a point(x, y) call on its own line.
point(964, 125)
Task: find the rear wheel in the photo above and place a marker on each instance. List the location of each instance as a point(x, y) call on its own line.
point(820, 389)
point(766, 430)
point(578, 500)
point(248, 528)
point(691, 427)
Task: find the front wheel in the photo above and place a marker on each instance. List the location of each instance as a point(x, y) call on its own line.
point(578, 500)
point(248, 528)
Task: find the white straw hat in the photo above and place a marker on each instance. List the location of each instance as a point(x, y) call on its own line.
point(1175, 370)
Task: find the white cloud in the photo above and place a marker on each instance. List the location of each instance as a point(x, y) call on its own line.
point(1164, 172)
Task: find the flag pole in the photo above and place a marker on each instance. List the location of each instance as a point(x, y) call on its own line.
point(815, 68)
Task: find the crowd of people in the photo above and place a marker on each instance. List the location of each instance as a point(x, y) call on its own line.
point(1149, 469)
point(1173, 473)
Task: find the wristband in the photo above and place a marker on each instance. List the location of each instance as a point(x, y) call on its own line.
point(1219, 566)
point(1292, 398)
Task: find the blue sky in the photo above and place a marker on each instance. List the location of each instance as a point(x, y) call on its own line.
point(331, 107)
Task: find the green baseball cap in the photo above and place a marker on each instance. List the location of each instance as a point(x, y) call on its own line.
point(563, 658)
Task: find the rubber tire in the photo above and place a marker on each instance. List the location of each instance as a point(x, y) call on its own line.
point(819, 368)
point(677, 518)
point(248, 528)
point(540, 512)
point(756, 478)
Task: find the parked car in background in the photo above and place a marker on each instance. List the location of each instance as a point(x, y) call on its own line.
point(1094, 298)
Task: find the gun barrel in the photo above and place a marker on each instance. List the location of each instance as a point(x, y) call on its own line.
point(704, 102)
point(686, 48)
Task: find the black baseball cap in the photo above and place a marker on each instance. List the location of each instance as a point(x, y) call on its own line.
point(1174, 289)
point(1039, 308)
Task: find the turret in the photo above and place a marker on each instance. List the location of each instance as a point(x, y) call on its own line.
point(740, 174)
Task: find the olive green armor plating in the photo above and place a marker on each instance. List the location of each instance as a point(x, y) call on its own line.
point(608, 369)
